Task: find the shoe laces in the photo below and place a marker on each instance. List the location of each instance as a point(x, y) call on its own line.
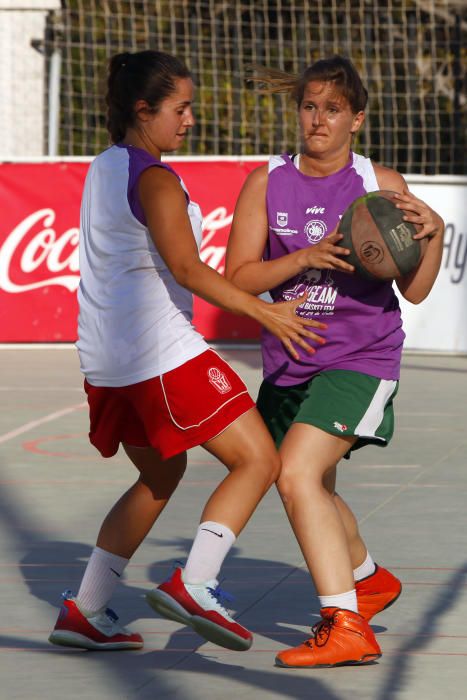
point(321, 632)
point(220, 595)
point(108, 612)
point(111, 614)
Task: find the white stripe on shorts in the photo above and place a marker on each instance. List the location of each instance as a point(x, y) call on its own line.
point(373, 416)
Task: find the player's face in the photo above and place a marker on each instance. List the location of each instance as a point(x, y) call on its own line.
point(326, 120)
point(169, 126)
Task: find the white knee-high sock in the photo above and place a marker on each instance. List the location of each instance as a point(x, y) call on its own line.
point(209, 549)
point(102, 574)
point(347, 601)
point(365, 569)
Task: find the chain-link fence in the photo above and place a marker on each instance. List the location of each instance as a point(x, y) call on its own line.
point(409, 53)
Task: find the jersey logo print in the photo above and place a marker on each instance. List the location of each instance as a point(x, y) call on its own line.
point(340, 426)
point(282, 220)
point(315, 230)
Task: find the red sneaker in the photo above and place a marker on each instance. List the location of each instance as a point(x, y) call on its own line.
point(198, 605)
point(377, 592)
point(100, 631)
point(341, 638)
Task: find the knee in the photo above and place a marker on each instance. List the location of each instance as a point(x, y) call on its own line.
point(288, 483)
point(295, 483)
point(264, 466)
point(274, 469)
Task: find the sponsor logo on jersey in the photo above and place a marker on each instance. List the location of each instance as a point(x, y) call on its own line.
point(315, 210)
point(341, 427)
point(315, 230)
point(282, 218)
point(219, 380)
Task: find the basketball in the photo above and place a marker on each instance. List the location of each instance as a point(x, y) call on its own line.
point(381, 243)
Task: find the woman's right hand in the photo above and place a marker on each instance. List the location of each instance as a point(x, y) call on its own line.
point(281, 320)
point(325, 255)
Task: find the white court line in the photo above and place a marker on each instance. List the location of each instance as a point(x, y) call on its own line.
point(46, 419)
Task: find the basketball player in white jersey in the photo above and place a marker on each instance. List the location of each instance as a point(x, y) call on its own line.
point(153, 384)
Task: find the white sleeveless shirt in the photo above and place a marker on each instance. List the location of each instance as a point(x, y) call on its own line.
point(134, 318)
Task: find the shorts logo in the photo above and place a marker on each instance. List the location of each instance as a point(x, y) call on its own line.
point(219, 380)
point(282, 218)
point(341, 427)
point(315, 230)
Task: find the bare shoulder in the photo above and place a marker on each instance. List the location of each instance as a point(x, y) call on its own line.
point(258, 177)
point(161, 177)
point(389, 179)
point(158, 187)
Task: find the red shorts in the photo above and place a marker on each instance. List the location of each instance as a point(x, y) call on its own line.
point(173, 412)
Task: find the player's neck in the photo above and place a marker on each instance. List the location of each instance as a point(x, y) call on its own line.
point(135, 137)
point(322, 166)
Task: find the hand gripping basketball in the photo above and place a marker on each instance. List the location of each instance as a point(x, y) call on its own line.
point(381, 243)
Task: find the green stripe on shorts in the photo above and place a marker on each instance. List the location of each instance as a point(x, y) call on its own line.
point(340, 402)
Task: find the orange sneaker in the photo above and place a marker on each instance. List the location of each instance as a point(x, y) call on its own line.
point(377, 592)
point(341, 638)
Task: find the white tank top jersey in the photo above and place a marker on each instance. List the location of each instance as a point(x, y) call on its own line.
point(134, 319)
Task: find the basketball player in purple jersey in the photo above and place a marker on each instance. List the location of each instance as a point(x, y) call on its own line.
point(324, 405)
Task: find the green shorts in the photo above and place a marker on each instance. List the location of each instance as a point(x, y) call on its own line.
point(340, 402)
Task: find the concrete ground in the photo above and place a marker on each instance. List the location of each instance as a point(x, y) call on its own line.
point(411, 501)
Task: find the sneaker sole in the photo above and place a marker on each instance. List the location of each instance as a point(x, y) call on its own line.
point(366, 659)
point(67, 638)
point(166, 606)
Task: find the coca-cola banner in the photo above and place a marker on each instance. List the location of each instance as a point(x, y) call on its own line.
point(39, 268)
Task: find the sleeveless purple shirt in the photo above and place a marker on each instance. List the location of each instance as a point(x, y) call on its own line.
point(364, 331)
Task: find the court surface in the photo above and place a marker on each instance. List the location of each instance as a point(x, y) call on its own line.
point(411, 500)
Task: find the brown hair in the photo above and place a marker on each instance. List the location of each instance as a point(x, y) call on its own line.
point(144, 75)
point(337, 70)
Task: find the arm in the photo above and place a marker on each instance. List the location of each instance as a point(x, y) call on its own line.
point(416, 286)
point(164, 205)
point(244, 264)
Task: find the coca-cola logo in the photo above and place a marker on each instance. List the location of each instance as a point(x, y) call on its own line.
point(211, 252)
point(35, 246)
point(35, 249)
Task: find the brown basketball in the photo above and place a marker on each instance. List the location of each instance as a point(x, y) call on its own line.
point(381, 243)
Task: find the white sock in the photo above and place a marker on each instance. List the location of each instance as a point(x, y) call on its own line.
point(102, 574)
point(365, 569)
point(209, 549)
point(347, 601)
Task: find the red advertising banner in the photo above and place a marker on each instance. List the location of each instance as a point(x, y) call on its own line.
point(39, 266)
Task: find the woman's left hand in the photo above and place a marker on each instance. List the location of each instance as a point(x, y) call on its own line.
point(428, 222)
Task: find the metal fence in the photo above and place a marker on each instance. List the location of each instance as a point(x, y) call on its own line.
point(409, 53)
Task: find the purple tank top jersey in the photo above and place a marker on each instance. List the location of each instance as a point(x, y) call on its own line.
point(364, 331)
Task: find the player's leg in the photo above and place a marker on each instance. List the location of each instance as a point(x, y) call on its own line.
point(377, 588)
point(86, 621)
point(134, 514)
point(309, 456)
point(192, 596)
point(357, 548)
